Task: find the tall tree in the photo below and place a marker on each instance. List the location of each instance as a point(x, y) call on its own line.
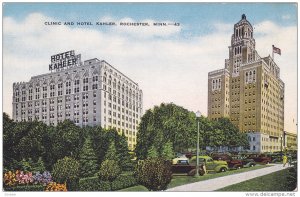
point(111, 153)
point(123, 152)
point(88, 159)
point(167, 151)
point(152, 152)
point(166, 123)
point(67, 140)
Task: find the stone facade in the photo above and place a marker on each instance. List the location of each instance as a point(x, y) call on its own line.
point(89, 94)
point(249, 91)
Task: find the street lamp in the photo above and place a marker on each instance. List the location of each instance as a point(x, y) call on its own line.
point(198, 114)
point(281, 145)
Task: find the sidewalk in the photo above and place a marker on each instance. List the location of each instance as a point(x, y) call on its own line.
point(218, 183)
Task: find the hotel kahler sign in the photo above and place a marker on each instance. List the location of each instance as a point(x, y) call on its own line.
point(64, 60)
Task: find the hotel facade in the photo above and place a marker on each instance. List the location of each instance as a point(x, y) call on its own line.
point(89, 93)
point(249, 92)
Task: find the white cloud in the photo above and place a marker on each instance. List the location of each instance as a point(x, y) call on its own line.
point(286, 17)
point(167, 70)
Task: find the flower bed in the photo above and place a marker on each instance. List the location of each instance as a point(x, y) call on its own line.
point(27, 181)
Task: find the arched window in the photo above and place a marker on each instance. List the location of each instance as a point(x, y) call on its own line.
point(246, 77)
point(254, 75)
point(104, 77)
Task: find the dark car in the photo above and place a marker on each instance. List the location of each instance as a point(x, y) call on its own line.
point(246, 161)
point(233, 163)
point(260, 158)
point(184, 167)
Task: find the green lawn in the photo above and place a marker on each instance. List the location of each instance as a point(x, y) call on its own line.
point(182, 180)
point(275, 181)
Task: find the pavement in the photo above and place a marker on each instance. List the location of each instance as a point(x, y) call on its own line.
point(218, 183)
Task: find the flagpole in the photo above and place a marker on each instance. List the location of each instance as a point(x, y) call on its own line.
point(273, 52)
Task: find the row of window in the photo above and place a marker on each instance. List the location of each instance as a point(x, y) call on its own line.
point(216, 84)
point(52, 94)
point(250, 76)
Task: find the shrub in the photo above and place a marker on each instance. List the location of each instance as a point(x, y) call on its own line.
point(154, 173)
point(109, 170)
point(66, 170)
point(93, 184)
point(53, 187)
point(123, 181)
point(39, 166)
point(25, 188)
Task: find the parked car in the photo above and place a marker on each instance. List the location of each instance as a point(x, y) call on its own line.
point(245, 161)
point(233, 163)
point(175, 160)
point(183, 166)
point(260, 158)
point(212, 165)
point(275, 157)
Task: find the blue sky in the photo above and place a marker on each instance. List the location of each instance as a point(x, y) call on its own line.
point(170, 64)
point(198, 15)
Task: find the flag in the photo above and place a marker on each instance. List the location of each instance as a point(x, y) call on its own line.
point(276, 50)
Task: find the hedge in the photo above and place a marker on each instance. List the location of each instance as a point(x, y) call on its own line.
point(25, 188)
point(94, 184)
point(123, 181)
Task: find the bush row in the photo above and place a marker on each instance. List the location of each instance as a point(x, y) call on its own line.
point(95, 184)
point(25, 188)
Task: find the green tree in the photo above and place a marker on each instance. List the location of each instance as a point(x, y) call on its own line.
point(109, 171)
point(167, 151)
point(99, 142)
point(31, 144)
point(164, 123)
point(38, 166)
point(67, 140)
point(12, 134)
point(123, 152)
point(88, 160)
point(66, 170)
point(231, 136)
point(111, 153)
point(155, 174)
point(152, 152)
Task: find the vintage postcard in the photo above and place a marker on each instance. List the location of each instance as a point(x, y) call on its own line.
point(165, 97)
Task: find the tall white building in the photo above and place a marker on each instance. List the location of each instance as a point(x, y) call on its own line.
point(88, 93)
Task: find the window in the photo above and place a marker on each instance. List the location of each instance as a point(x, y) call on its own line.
point(76, 82)
point(95, 78)
point(95, 86)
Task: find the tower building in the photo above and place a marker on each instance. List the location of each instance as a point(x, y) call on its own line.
point(88, 93)
point(249, 91)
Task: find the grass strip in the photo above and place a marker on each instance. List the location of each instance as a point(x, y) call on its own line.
point(275, 181)
point(182, 179)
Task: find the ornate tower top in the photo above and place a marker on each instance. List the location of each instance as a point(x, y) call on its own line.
point(243, 31)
